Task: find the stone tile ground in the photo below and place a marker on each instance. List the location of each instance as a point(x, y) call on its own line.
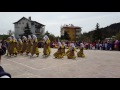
point(96, 64)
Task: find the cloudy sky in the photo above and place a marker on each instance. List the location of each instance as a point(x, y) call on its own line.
point(53, 20)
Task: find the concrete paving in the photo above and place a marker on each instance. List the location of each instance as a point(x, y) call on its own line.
point(96, 64)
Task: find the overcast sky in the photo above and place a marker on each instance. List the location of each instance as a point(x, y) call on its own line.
point(53, 20)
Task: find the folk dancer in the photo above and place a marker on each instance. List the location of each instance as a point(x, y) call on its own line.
point(63, 48)
point(80, 53)
point(48, 43)
point(58, 54)
point(24, 45)
point(71, 54)
point(29, 45)
point(34, 49)
point(19, 47)
point(9, 41)
point(45, 47)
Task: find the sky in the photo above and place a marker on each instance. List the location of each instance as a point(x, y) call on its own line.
point(54, 20)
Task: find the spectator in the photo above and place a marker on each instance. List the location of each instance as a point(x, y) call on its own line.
point(3, 74)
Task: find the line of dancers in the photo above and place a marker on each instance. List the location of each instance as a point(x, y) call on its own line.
point(29, 45)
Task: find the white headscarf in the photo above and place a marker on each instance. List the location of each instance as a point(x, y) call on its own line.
point(24, 38)
point(59, 44)
point(10, 38)
point(20, 40)
point(72, 46)
point(34, 37)
point(63, 43)
point(46, 37)
point(82, 45)
point(29, 37)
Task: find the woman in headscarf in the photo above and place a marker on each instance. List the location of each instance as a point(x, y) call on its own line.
point(69, 46)
point(71, 54)
point(12, 46)
point(15, 46)
point(34, 49)
point(24, 45)
point(9, 41)
point(45, 48)
point(63, 48)
point(48, 43)
point(29, 45)
point(58, 54)
point(19, 47)
point(80, 53)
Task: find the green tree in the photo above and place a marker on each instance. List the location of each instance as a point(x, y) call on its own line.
point(27, 30)
point(117, 36)
point(51, 36)
point(97, 35)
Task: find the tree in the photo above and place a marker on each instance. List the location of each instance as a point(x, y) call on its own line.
point(117, 36)
point(97, 35)
point(51, 36)
point(10, 32)
point(27, 30)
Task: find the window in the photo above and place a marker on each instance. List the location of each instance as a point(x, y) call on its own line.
point(23, 23)
point(19, 23)
point(32, 23)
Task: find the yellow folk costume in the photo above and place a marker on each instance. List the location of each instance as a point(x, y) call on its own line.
point(58, 54)
point(46, 48)
point(29, 45)
point(9, 41)
point(63, 49)
point(12, 46)
point(34, 49)
point(15, 46)
point(24, 45)
point(71, 54)
point(80, 53)
point(68, 49)
point(19, 47)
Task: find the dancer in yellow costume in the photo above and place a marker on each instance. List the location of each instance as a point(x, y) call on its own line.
point(58, 54)
point(71, 54)
point(29, 45)
point(19, 47)
point(69, 46)
point(63, 48)
point(45, 48)
point(80, 53)
point(9, 41)
point(15, 52)
point(24, 45)
point(48, 43)
point(34, 49)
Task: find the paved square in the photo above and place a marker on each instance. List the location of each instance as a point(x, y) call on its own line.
point(96, 64)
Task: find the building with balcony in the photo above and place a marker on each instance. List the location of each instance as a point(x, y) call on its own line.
point(73, 31)
point(35, 27)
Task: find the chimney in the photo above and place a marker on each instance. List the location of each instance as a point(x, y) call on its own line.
point(30, 18)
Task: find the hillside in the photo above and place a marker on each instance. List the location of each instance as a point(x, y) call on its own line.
point(103, 33)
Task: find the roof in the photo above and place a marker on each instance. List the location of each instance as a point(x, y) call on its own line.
point(28, 20)
point(76, 27)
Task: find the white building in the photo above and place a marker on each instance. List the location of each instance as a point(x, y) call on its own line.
point(35, 27)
